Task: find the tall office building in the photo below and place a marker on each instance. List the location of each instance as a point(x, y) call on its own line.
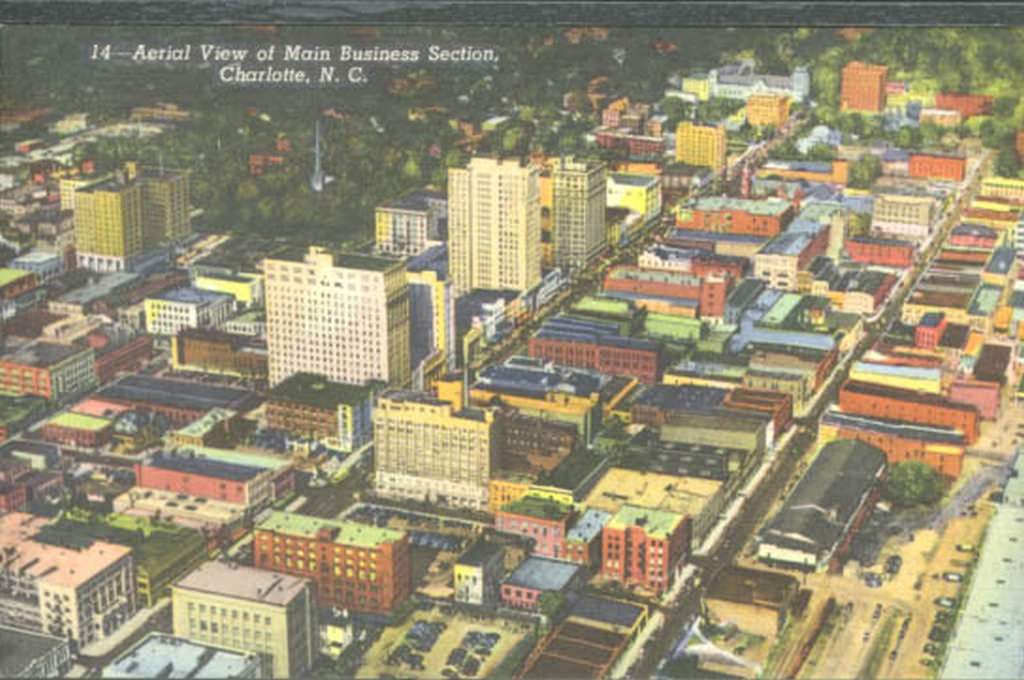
point(108, 224)
point(578, 210)
point(345, 317)
point(430, 450)
point(122, 215)
point(701, 145)
point(244, 609)
point(165, 195)
point(494, 225)
point(863, 87)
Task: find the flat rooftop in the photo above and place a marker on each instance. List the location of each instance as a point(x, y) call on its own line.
point(234, 581)
point(78, 421)
point(19, 648)
point(203, 466)
point(541, 573)
point(318, 392)
point(190, 296)
point(679, 494)
point(159, 655)
point(177, 394)
point(657, 524)
point(341, 532)
point(42, 354)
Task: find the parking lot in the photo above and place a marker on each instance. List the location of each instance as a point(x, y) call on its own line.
point(433, 644)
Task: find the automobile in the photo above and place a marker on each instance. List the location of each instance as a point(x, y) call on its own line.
point(471, 666)
point(867, 634)
point(931, 648)
point(946, 602)
point(926, 662)
point(964, 547)
point(877, 613)
point(919, 583)
point(943, 617)
point(893, 564)
point(873, 580)
point(892, 655)
point(456, 657)
point(449, 673)
point(953, 577)
point(938, 634)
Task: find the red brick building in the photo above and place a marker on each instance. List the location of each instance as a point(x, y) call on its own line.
point(645, 547)
point(889, 403)
point(967, 104)
point(636, 146)
point(767, 217)
point(937, 166)
point(17, 282)
point(863, 87)
point(197, 475)
point(929, 331)
point(213, 351)
point(603, 353)
point(118, 350)
point(982, 394)
point(353, 566)
point(1020, 144)
point(776, 404)
point(77, 429)
point(880, 251)
point(709, 292)
point(707, 264)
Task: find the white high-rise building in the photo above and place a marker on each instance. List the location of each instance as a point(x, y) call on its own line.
point(345, 317)
point(494, 225)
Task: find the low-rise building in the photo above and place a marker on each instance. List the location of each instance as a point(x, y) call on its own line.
point(76, 429)
point(312, 406)
point(637, 193)
point(478, 572)
point(883, 252)
point(50, 370)
point(544, 520)
point(754, 600)
point(882, 401)
point(817, 521)
point(165, 656)
point(411, 223)
point(779, 260)
point(33, 655)
point(245, 289)
point(239, 608)
point(206, 350)
point(764, 217)
point(768, 109)
point(937, 166)
point(904, 216)
point(171, 311)
point(535, 576)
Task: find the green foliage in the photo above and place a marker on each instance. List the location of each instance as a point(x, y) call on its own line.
point(913, 483)
point(860, 224)
point(864, 171)
point(550, 603)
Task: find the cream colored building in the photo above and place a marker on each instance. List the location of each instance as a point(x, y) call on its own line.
point(494, 225)
point(578, 210)
point(345, 317)
point(903, 216)
point(701, 145)
point(428, 450)
point(244, 609)
point(82, 590)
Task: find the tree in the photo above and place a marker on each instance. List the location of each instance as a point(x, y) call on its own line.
point(550, 603)
point(864, 171)
point(860, 224)
point(1007, 163)
point(913, 483)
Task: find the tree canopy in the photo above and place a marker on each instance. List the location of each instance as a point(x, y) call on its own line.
point(913, 483)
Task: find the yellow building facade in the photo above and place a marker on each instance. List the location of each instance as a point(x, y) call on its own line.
point(108, 224)
point(701, 145)
point(768, 109)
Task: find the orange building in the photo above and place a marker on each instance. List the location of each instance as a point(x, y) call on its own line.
point(890, 403)
point(938, 448)
point(863, 87)
point(967, 104)
point(937, 166)
point(768, 109)
point(354, 566)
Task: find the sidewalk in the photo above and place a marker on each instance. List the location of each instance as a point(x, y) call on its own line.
point(130, 627)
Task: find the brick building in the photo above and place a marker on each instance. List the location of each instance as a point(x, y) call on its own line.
point(211, 351)
point(49, 370)
point(312, 406)
point(766, 217)
point(878, 401)
point(195, 475)
point(937, 166)
point(534, 577)
point(645, 547)
point(884, 252)
point(939, 448)
point(776, 404)
point(78, 430)
point(585, 344)
point(635, 146)
point(353, 566)
point(535, 445)
point(117, 348)
point(966, 105)
point(544, 520)
point(928, 332)
point(863, 87)
point(710, 292)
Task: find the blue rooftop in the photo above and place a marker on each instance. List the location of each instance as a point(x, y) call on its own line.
point(541, 573)
point(203, 466)
point(681, 397)
point(434, 258)
point(588, 526)
point(788, 243)
point(190, 296)
point(935, 435)
point(538, 380)
point(165, 656)
point(692, 234)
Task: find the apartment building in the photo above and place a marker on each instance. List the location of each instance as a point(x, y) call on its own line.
point(494, 225)
point(430, 450)
point(701, 145)
point(345, 317)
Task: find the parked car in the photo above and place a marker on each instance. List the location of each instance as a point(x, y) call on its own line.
point(946, 602)
point(893, 564)
point(873, 580)
point(953, 577)
point(965, 547)
point(938, 634)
